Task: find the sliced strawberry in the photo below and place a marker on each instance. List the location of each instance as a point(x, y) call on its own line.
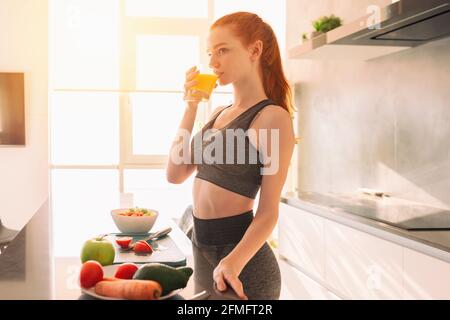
point(142, 247)
point(124, 242)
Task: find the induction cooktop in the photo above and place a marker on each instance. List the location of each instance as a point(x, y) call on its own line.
point(393, 211)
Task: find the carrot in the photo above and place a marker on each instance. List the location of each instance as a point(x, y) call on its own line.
point(130, 289)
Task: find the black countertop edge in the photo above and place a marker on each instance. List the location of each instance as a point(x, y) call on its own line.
point(431, 243)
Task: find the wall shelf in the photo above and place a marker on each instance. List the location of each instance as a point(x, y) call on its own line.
point(320, 48)
point(399, 26)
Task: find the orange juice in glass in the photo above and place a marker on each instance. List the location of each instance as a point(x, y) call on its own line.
point(203, 89)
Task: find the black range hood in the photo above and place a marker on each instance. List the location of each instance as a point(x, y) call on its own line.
point(404, 23)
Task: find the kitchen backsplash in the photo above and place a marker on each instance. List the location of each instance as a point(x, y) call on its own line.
point(382, 124)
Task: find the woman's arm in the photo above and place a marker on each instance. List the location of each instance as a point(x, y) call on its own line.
point(266, 215)
point(178, 172)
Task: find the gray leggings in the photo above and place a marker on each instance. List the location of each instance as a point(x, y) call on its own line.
point(213, 239)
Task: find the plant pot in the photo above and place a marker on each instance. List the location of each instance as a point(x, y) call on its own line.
point(315, 34)
point(310, 35)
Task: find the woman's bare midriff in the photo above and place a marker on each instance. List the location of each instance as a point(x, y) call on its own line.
point(212, 201)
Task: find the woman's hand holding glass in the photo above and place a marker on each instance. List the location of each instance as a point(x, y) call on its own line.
point(189, 83)
point(199, 85)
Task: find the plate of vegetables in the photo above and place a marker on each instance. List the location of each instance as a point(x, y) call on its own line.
point(115, 282)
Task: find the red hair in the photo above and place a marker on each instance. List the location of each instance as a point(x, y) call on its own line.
point(249, 28)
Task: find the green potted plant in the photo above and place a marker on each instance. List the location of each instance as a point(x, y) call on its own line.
point(323, 25)
point(327, 23)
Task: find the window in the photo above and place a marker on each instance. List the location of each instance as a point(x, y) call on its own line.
point(82, 200)
point(167, 8)
point(149, 189)
point(85, 128)
point(155, 115)
point(161, 60)
point(85, 44)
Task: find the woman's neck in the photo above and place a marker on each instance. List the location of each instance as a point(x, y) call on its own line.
point(248, 92)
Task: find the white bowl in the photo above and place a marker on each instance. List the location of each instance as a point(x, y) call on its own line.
point(128, 224)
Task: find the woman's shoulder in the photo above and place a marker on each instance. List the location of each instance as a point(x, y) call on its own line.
point(272, 116)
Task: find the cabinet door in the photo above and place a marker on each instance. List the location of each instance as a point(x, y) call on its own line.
point(301, 239)
point(295, 285)
point(361, 266)
point(425, 277)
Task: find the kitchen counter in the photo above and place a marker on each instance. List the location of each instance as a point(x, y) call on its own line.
point(339, 207)
point(30, 271)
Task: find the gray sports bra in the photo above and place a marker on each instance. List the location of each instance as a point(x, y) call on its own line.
point(239, 172)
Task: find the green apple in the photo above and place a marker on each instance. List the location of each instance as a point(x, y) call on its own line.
point(98, 249)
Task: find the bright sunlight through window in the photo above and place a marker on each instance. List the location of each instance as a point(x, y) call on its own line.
point(161, 61)
point(167, 8)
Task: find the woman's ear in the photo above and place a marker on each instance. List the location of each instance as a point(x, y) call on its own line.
point(256, 50)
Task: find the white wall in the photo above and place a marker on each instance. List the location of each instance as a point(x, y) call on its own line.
point(380, 124)
point(24, 170)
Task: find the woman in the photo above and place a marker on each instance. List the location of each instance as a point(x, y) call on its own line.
point(229, 242)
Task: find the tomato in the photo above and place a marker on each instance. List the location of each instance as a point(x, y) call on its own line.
point(142, 247)
point(91, 273)
point(126, 270)
point(124, 242)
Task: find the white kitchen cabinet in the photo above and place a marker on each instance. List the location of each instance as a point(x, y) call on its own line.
point(425, 277)
point(361, 266)
point(301, 239)
point(295, 285)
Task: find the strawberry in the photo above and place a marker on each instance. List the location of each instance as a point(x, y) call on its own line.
point(124, 242)
point(142, 247)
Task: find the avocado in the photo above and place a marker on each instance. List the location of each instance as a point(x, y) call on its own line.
point(168, 277)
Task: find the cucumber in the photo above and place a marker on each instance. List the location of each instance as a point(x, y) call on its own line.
point(186, 270)
point(168, 277)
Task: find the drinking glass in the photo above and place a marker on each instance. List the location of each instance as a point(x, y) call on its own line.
point(202, 90)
